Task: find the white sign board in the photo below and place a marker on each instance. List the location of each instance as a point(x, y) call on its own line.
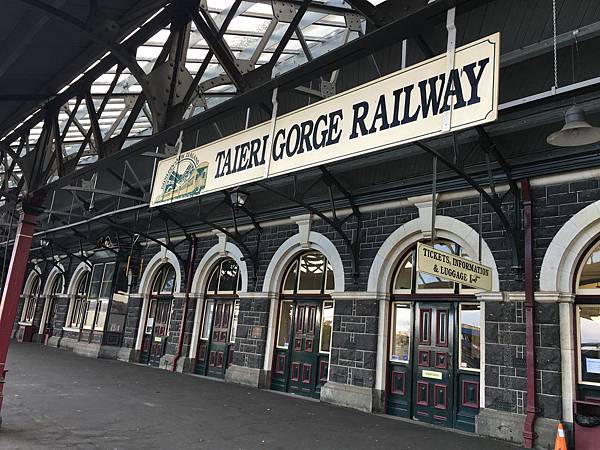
point(419, 102)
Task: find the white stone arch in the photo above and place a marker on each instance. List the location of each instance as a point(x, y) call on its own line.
point(36, 272)
point(200, 280)
point(57, 271)
point(557, 276)
point(79, 272)
point(294, 245)
point(396, 245)
point(276, 271)
point(163, 256)
point(569, 245)
point(28, 286)
point(387, 258)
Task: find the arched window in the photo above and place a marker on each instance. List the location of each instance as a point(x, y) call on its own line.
point(587, 289)
point(164, 281)
point(588, 282)
point(31, 300)
point(310, 273)
point(57, 285)
point(408, 280)
point(79, 301)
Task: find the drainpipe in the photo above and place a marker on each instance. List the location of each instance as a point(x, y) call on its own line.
point(528, 430)
point(188, 286)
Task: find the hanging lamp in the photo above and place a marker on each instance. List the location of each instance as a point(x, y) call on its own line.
point(576, 131)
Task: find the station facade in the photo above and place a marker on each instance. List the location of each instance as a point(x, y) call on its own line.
point(302, 321)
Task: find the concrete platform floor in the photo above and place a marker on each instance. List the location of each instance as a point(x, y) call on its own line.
point(57, 400)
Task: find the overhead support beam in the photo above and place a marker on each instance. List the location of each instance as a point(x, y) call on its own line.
point(395, 31)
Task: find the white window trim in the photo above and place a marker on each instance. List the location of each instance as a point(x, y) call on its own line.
point(281, 347)
point(579, 374)
point(321, 328)
point(467, 369)
point(393, 329)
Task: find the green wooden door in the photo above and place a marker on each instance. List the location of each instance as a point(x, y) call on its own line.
point(219, 346)
point(433, 386)
point(304, 353)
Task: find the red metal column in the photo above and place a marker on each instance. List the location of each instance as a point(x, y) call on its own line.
point(529, 428)
point(13, 286)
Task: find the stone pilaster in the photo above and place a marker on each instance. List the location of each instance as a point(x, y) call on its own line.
point(352, 368)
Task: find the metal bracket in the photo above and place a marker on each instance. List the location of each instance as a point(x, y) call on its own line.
point(354, 22)
point(284, 11)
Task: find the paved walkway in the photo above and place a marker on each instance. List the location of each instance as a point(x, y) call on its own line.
point(57, 400)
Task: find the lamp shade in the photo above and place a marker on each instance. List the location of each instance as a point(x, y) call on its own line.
point(238, 198)
point(576, 131)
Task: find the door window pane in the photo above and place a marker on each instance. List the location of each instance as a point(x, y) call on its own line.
point(590, 272)
point(312, 271)
point(109, 270)
point(285, 323)
point(400, 332)
point(209, 310)
point(228, 276)
point(326, 326)
point(101, 318)
point(90, 314)
point(289, 284)
point(169, 281)
point(589, 343)
point(470, 337)
point(404, 276)
point(96, 281)
point(234, 321)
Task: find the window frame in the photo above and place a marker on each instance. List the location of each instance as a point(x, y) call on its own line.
point(79, 298)
point(582, 262)
point(578, 343)
point(321, 351)
point(293, 305)
point(411, 312)
point(31, 299)
point(460, 307)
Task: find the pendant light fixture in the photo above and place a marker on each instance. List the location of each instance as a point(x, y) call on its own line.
point(576, 131)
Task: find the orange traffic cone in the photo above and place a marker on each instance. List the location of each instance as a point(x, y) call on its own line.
point(561, 441)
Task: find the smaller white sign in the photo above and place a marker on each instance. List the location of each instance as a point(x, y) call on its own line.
point(433, 374)
point(592, 365)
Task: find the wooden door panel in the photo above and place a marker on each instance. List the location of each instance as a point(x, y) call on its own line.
point(307, 368)
point(220, 350)
point(433, 373)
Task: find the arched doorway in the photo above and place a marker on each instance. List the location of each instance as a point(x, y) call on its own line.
point(32, 295)
point(78, 305)
point(587, 314)
point(219, 319)
point(304, 326)
point(433, 357)
point(158, 317)
point(57, 283)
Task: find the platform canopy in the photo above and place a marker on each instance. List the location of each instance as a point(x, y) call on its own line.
point(94, 93)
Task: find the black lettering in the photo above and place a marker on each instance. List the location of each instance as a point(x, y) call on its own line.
point(227, 162)
point(307, 129)
point(278, 156)
point(317, 144)
point(396, 122)
point(407, 117)
point(474, 80)
point(360, 114)
point(431, 100)
point(243, 161)
point(453, 89)
point(295, 130)
point(334, 123)
point(380, 115)
point(219, 171)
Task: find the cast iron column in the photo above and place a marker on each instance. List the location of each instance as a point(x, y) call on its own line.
point(13, 286)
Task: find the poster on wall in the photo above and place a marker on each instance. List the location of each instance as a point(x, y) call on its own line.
point(453, 268)
point(419, 102)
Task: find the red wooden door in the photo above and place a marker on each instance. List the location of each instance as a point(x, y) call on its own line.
point(305, 349)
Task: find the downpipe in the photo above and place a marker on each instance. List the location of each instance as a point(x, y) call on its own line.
point(528, 430)
point(188, 286)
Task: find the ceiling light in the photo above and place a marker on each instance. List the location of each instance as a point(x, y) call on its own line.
point(576, 131)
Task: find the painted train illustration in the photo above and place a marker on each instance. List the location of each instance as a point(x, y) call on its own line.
point(185, 178)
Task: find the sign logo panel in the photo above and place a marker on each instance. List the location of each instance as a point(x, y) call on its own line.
point(422, 101)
